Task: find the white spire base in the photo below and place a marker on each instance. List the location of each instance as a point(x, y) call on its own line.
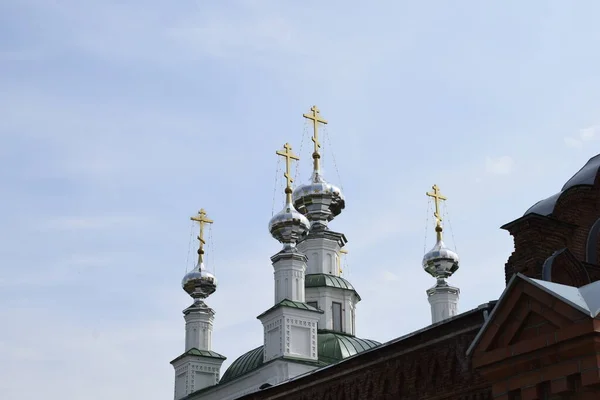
point(322, 249)
point(290, 267)
point(198, 328)
point(290, 332)
point(443, 300)
point(198, 367)
point(290, 326)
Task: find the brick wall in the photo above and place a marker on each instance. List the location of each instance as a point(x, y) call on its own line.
point(538, 347)
point(537, 237)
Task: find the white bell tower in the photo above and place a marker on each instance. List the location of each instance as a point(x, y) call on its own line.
point(198, 367)
point(441, 262)
point(290, 326)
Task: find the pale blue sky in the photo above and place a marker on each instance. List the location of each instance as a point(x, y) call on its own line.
point(119, 120)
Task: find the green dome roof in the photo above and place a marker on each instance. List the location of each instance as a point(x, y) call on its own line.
point(333, 347)
point(326, 280)
point(244, 364)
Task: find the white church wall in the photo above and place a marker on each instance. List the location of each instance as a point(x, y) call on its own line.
point(272, 373)
point(286, 326)
point(322, 255)
point(289, 280)
point(194, 373)
point(198, 331)
point(325, 297)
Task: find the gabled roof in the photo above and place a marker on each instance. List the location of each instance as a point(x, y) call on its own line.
point(585, 299)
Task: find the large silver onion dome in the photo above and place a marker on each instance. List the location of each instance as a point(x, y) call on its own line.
point(440, 262)
point(199, 282)
point(289, 226)
point(319, 200)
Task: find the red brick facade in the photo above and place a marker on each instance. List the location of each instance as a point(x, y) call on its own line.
point(532, 346)
point(537, 347)
point(538, 237)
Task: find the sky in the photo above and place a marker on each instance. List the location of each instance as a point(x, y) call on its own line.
point(121, 119)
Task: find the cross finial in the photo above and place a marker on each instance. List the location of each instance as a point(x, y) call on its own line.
point(437, 197)
point(289, 156)
point(201, 219)
point(315, 117)
point(339, 261)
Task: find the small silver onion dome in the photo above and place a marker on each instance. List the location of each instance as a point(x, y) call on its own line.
point(319, 200)
point(199, 283)
point(289, 226)
point(440, 262)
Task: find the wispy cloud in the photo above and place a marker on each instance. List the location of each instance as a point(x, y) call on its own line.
point(73, 223)
point(503, 165)
point(585, 135)
point(68, 270)
point(139, 114)
point(98, 349)
point(389, 276)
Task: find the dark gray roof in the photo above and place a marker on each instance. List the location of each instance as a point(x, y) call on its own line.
point(585, 176)
point(585, 298)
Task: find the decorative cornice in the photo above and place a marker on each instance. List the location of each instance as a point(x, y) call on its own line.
point(289, 254)
point(327, 234)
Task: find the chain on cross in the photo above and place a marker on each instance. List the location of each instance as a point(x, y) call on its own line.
point(316, 118)
point(289, 156)
point(201, 218)
point(437, 198)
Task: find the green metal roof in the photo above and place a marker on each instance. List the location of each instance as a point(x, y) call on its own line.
point(332, 347)
point(292, 304)
point(244, 364)
point(204, 353)
point(335, 346)
point(326, 280)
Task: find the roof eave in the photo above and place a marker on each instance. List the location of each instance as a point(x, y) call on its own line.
point(508, 226)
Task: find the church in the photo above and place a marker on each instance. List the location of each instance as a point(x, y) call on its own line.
point(539, 341)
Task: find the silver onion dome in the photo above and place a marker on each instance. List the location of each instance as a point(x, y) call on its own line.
point(289, 226)
point(199, 283)
point(319, 200)
point(440, 262)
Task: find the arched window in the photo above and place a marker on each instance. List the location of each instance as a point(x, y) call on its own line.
point(591, 248)
point(330, 263)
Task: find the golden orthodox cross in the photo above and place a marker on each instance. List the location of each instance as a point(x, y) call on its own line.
point(289, 156)
point(201, 219)
point(342, 251)
point(437, 197)
point(315, 117)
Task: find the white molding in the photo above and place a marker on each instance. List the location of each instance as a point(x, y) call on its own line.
point(272, 373)
point(290, 332)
